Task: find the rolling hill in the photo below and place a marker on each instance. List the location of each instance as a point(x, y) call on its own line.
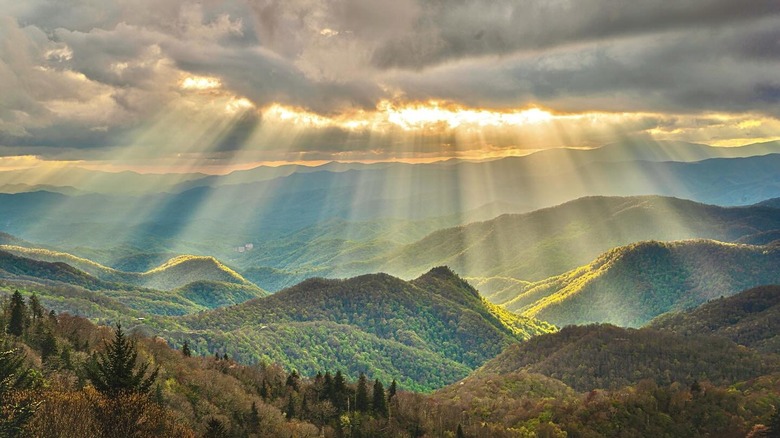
point(605, 356)
point(174, 273)
point(630, 285)
point(551, 241)
point(193, 290)
point(373, 322)
point(750, 318)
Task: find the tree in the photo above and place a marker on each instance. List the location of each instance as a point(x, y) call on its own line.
point(113, 372)
point(215, 429)
point(35, 307)
point(290, 411)
point(48, 345)
point(361, 396)
point(253, 419)
point(459, 433)
point(13, 376)
point(292, 380)
point(185, 349)
point(18, 310)
point(379, 405)
point(339, 392)
point(392, 390)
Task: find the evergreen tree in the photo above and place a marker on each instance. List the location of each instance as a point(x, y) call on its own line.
point(292, 380)
point(253, 419)
point(339, 392)
point(113, 372)
point(327, 387)
point(459, 433)
point(18, 311)
point(48, 345)
point(185, 349)
point(392, 390)
point(361, 396)
point(379, 406)
point(35, 308)
point(14, 376)
point(265, 390)
point(290, 411)
point(773, 428)
point(215, 429)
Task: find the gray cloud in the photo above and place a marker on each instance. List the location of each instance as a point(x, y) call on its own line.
point(84, 75)
point(451, 30)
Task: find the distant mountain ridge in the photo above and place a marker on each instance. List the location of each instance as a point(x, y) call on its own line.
point(548, 242)
point(176, 272)
point(630, 285)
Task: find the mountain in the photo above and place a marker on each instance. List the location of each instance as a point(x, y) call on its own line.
point(15, 267)
point(551, 241)
point(750, 318)
point(174, 273)
point(59, 284)
point(774, 203)
point(428, 332)
point(206, 219)
point(631, 285)
point(605, 356)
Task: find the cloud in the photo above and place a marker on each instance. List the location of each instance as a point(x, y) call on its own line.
point(81, 76)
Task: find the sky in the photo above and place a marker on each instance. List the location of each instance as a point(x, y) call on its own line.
point(177, 85)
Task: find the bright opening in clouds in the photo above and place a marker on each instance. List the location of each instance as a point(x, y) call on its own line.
point(321, 80)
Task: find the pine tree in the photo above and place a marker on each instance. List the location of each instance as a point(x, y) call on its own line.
point(773, 428)
point(339, 392)
point(392, 390)
point(253, 420)
point(215, 429)
point(459, 433)
point(292, 380)
point(35, 307)
point(185, 349)
point(327, 387)
point(379, 406)
point(113, 372)
point(48, 345)
point(361, 396)
point(14, 376)
point(18, 310)
point(290, 411)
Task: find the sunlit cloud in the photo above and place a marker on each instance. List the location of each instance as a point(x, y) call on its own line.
point(200, 83)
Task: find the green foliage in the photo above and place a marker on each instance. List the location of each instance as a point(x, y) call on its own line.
point(605, 356)
point(361, 396)
point(379, 403)
point(551, 241)
point(629, 286)
point(750, 318)
point(15, 412)
point(114, 372)
point(430, 331)
point(17, 321)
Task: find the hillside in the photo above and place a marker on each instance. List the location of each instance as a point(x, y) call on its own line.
point(551, 241)
point(22, 268)
point(60, 283)
point(174, 273)
point(605, 356)
point(750, 318)
point(630, 285)
point(362, 322)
